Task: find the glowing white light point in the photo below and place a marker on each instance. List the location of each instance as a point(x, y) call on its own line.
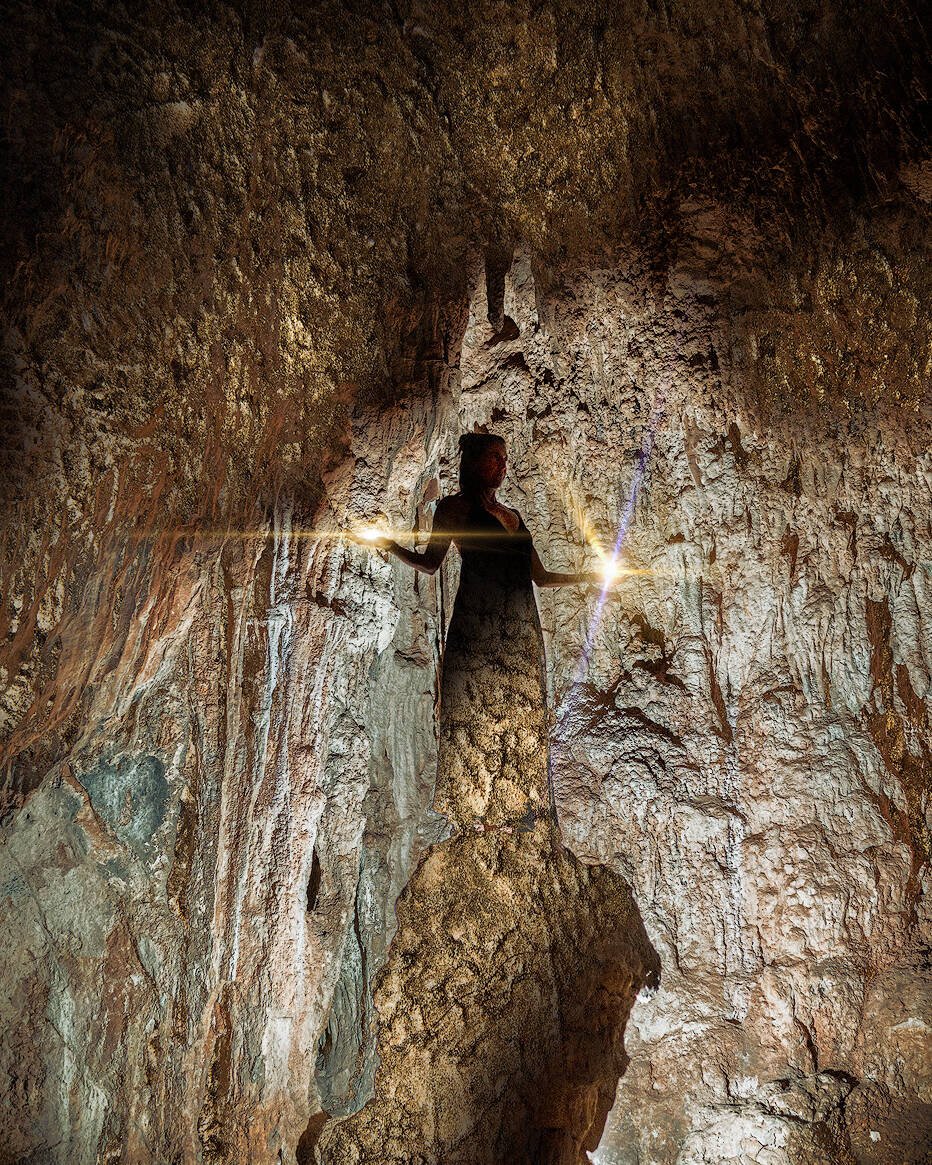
point(610, 570)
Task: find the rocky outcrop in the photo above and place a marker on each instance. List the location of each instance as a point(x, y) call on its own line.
point(501, 1009)
point(761, 780)
point(503, 1001)
point(181, 896)
point(239, 252)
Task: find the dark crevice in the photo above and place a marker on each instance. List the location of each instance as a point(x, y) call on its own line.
point(313, 883)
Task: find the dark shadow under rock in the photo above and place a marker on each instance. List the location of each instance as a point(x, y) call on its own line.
point(502, 1009)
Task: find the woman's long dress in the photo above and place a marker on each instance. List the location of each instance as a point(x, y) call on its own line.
point(503, 1001)
point(492, 765)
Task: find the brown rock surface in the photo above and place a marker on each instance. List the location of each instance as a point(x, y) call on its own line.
point(502, 1008)
point(238, 246)
point(505, 993)
point(762, 785)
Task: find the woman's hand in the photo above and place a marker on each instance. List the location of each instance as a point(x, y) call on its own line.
point(430, 559)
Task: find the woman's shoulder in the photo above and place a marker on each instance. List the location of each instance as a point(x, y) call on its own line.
point(512, 510)
point(452, 504)
point(451, 509)
point(519, 516)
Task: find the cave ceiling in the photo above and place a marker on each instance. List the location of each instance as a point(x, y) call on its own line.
point(285, 198)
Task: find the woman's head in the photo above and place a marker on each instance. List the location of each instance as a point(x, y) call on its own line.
point(483, 461)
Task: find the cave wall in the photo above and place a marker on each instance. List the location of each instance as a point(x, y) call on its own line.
point(183, 894)
point(747, 744)
point(240, 251)
point(748, 740)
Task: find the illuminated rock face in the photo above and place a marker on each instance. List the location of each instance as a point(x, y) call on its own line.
point(749, 741)
point(502, 1008)
point(201, 899)
point(505, 993)
point(758, 779)
point(181, 897)
point(238, 306)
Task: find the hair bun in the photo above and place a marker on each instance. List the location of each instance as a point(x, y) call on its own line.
point(474, 442)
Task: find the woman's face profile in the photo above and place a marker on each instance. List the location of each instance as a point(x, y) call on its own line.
point(492, 465)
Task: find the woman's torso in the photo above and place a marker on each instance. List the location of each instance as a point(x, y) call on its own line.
point(491, 552)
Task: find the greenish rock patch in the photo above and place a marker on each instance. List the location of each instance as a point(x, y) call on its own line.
point(131, 796)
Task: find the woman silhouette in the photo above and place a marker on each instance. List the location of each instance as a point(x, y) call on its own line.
point(503, 1000)
point(493, 721)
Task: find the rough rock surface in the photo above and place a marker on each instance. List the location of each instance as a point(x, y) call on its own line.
point(761, 783)
point(237, 246)
point(502, 1008)
point(726, 733)
point(503, 1001)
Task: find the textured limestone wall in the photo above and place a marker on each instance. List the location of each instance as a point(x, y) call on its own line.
point(201, 898)
point(749, 739)
point(205, 890)
point(219, 228)
point(235, 245)
point(183, 896)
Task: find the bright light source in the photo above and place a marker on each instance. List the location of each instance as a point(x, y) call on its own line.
point(369, 533)
point(610, 570)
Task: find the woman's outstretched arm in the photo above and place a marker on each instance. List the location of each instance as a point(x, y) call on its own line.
point(551, 578)
point(437, 546)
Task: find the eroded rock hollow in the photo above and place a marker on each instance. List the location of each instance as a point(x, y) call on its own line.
point(263, 268)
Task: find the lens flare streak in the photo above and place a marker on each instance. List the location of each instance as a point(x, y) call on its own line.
point(359, 535)
point(637, 480)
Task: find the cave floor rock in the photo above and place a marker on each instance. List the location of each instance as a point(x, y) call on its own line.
point(502, 1008)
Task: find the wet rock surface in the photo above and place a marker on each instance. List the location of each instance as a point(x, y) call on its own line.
point(246, 300)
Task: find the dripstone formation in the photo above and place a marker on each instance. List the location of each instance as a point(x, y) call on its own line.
point(262, 269)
